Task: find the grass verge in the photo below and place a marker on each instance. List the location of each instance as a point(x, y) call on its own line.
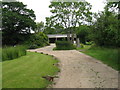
point(108, 56)
point(9, 53)
point(27, 71)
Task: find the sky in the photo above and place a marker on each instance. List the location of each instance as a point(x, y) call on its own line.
point(41, 7)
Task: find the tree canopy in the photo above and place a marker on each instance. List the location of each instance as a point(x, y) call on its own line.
point(70, 14)
point(40, 27)
point(18, 22)
point(105, 32)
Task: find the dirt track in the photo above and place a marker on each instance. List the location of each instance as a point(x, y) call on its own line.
point(81, 71)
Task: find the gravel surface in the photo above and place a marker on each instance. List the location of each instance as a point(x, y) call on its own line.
point(81, 71)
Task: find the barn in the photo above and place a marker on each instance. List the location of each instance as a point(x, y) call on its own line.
point(55, 37)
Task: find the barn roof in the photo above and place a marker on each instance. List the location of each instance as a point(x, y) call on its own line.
point(57, 35)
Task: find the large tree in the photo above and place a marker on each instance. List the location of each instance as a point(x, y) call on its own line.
point(106, 28)
point(17, 22)
point(82, 33)
point(70, 14)
point(51, 27)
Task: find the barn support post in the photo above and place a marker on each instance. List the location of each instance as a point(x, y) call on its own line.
point(56, 39)
point(48, 40)
point(78, 42)
point(68, 37)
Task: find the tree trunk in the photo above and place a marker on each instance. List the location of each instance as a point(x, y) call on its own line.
point(72, 38)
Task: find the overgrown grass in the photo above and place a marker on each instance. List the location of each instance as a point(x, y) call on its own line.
point(0, 54)
point(9, 53)
point(27, 71)
point(108, 56)
point(0, 68)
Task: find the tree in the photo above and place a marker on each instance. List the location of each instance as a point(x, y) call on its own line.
point(70, 14)
point(82, 33)
point(49, 26)
point(105, 32)
point(113, 5)
point(40, 27)
point(18, 21)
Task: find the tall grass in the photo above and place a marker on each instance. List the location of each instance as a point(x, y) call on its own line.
point(0, 54)
point(9, 53)
point(108, 56)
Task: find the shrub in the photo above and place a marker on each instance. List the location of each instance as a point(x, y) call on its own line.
point(33, 46)
point(64, 45)
point(82, 45)
point(37, 40)
point(9, 53)
point(89, 43)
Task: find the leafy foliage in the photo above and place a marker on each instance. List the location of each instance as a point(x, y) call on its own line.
point(40, 27)
point(82, 33)
point(64, 45)
point(9, 53)
point(67, 15)
point(18, 21)
point(105, 32)
point(37, 40)
point(52, 28)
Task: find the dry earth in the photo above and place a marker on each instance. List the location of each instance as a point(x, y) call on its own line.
point(81, 71)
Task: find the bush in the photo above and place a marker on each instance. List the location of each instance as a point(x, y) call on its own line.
point(9, 53)
point(64, 45)
point(81, 45)
point(33, 46)
point(89, 43)
point(37, 40)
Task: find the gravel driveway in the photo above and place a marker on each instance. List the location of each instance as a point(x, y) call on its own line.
point(81, 71)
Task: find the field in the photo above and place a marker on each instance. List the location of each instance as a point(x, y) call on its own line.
point(27, 71)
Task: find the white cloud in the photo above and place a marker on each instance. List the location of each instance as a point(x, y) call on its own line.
point(97, 5)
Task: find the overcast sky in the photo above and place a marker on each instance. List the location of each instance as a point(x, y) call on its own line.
point(42, 10)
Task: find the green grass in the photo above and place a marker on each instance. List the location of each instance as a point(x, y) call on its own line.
point(9, 53)
point(84, 47)
point(108, 56)
point(0, 54)
point(27, 71)
point(0, 68)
